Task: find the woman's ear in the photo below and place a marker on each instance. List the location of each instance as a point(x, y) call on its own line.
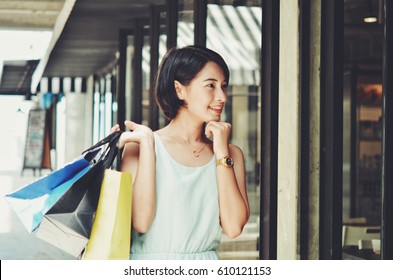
point(179, 90)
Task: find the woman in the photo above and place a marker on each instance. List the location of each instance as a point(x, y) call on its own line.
point(199, 185)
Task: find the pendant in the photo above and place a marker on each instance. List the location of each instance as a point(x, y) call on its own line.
point(196, 153)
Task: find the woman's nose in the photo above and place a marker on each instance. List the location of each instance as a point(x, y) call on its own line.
point(221, 95)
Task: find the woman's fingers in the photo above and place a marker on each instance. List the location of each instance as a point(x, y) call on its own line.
point(137, 127)
point(125, 138)
point(115, 128)
point(217, 128)
point(130, 125)
point(136, 134)
point(220, 132)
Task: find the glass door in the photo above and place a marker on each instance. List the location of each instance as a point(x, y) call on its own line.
point(362, 134)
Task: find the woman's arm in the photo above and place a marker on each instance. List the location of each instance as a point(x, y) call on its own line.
point(232, 193)
point(139, 160)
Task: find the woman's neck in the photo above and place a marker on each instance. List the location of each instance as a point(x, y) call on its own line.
point(187, 131)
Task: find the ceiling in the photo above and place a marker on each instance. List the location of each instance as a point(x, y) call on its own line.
point(89, 38)
point(15, 76)
point(85, 32)
point(32, 14)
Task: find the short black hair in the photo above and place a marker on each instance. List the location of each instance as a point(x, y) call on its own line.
point(182, 65)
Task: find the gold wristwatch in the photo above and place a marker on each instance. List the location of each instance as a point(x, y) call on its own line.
point(225, 161)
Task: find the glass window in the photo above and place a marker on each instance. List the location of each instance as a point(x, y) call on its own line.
point(102, 109)
point(129, 74)
point(235, 33)
point(145, 78)
point(185, 26)
point(162, 48)
point(362, 134)
point(147, 84)
point(96, 114)
point(108, 104)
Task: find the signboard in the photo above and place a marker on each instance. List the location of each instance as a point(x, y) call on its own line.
point(35, 140)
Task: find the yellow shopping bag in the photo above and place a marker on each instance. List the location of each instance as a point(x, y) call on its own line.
point(111, 232)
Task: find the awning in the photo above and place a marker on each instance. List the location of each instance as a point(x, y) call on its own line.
point(85, 39)
point(15, 76)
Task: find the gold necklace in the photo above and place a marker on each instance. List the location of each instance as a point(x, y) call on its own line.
point(194, 152)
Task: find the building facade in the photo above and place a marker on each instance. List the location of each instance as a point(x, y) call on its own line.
point(309, 104)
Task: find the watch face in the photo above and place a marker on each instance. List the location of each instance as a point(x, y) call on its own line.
point(229, 161)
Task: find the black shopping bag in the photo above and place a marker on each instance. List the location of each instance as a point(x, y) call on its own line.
point(67, 225)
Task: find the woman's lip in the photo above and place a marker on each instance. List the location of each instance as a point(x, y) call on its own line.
point(216, 110)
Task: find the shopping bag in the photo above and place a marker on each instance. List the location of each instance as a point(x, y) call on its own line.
point(111, 233)
point(68, 223)
point(32, 201)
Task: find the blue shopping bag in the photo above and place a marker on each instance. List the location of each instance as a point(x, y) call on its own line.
point(46, 184)
point(32, 201)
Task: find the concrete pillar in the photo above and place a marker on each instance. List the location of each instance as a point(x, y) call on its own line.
point(75, 125)
point(288, 227)
point(288, 131)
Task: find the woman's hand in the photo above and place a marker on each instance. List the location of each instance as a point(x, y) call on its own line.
point(232, 192)
point(137, 134)
point(115, 128)
point(220, 132)
point(139, 159)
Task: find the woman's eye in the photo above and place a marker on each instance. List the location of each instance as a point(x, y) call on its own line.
point(210, 85)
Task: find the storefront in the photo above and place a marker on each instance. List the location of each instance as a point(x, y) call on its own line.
point(309, 106)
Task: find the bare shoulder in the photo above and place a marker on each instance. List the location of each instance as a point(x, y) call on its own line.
point(160, 132)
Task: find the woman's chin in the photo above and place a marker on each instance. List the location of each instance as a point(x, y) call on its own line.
point(214, 119)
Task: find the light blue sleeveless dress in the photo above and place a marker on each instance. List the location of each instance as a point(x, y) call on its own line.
point(186, 225)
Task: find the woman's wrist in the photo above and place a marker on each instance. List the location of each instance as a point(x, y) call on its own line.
point(221, 151)
point(146, 142)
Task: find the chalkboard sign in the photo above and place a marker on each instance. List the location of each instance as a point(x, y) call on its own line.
point(35, 140)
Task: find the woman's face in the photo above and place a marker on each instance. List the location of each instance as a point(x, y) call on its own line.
point(206, 94)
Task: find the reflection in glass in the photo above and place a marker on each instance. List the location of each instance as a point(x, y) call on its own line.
point(129, 74)
point(145, 79)
point(235, 33)
point(185, 26)
point(161, 52)
point(362, 142)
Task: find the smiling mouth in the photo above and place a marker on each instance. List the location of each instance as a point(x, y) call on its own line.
point(217, 109)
